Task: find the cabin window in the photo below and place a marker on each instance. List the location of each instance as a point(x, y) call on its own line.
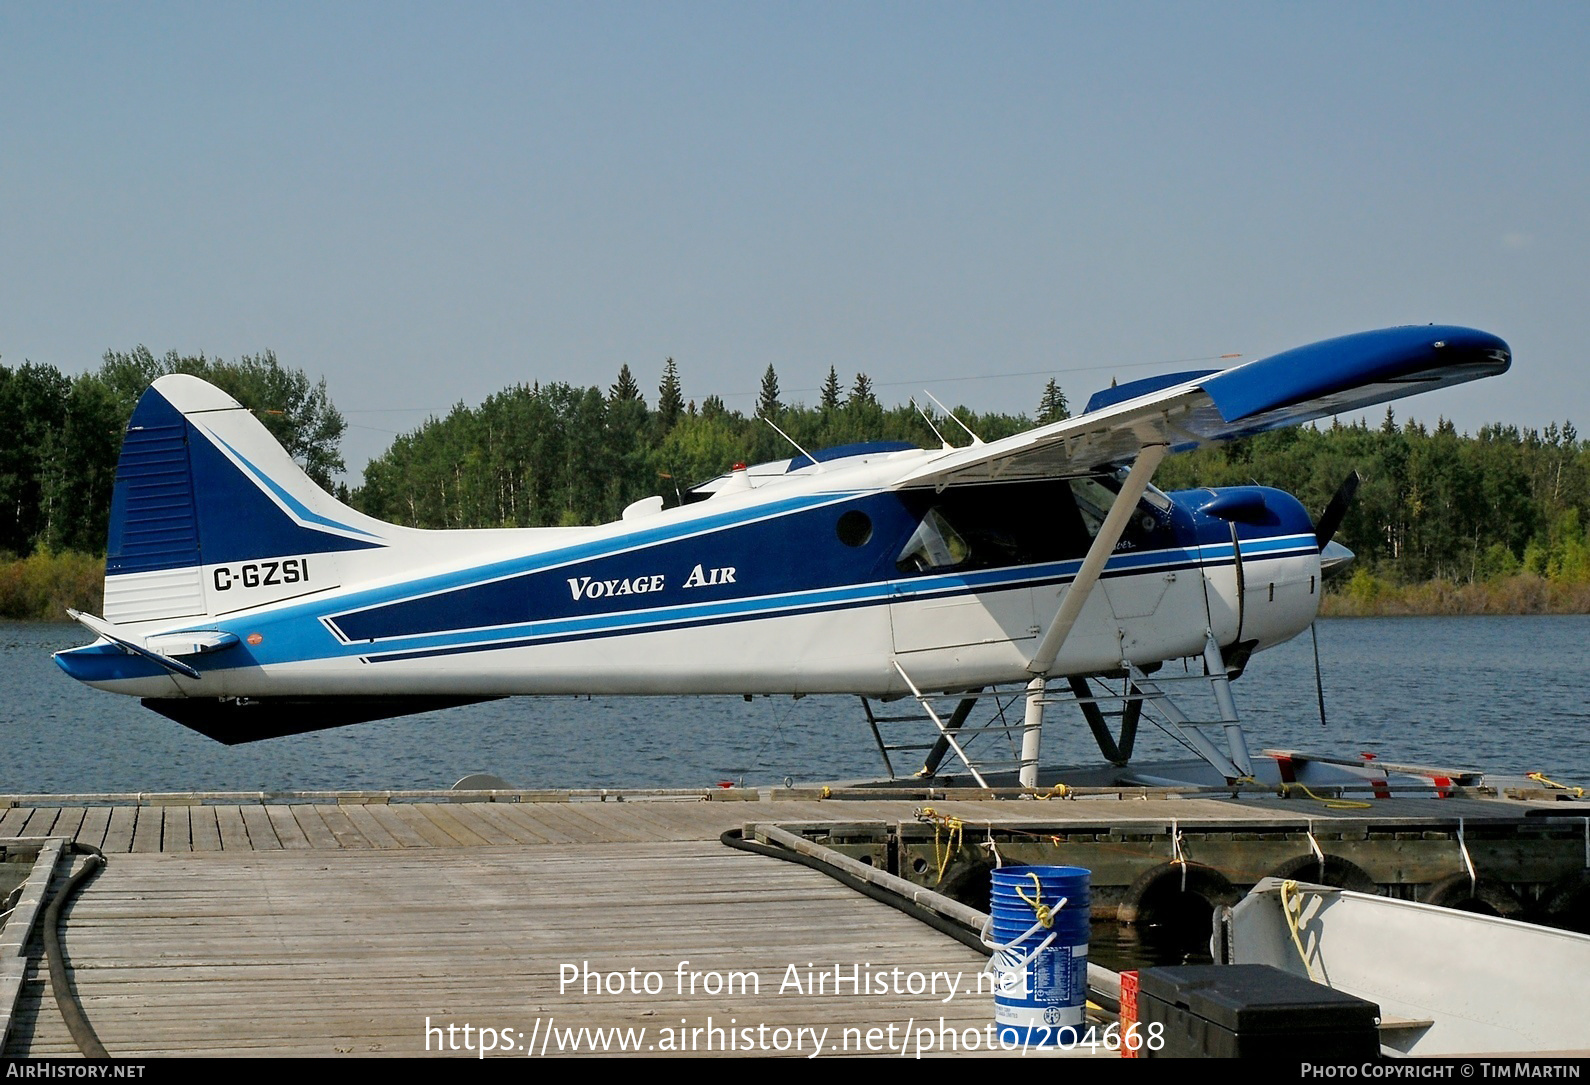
point(854, 528)
point(1005, 524)
point(934, 545)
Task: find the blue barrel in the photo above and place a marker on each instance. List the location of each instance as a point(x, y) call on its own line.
point(1040, 994)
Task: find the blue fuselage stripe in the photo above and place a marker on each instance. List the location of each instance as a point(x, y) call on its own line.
point(855, 597)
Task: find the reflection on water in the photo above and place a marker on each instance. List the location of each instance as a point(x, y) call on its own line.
point(1119, 948)
point(1502, 694)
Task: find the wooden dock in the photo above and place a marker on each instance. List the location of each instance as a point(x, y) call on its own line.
point(315, 929)
point(383, 924)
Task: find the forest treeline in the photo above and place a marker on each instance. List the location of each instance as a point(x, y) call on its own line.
point(1443, 522)
point(61, 440)
point(554, 454)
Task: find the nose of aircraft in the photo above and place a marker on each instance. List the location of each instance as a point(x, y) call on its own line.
point(1335, 557)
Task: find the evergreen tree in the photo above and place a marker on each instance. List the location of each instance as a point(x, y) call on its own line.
point(1053, 406)
point(830, 400)
point(625, 388)
point(861, 393)
point(767, 404)
point(670, 398)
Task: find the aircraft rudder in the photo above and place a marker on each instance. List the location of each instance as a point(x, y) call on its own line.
point(206, 500)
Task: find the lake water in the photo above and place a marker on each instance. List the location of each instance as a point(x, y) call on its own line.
point(1500, 694)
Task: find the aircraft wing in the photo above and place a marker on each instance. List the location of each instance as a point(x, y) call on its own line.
point(1184, 411)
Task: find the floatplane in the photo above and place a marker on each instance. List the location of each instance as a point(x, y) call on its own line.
point(243, 601)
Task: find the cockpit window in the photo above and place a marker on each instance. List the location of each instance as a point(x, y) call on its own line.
point(1096, 494)
point(1152, 494)
point(1157, 498)
point(1093, 502)
point(934, 545)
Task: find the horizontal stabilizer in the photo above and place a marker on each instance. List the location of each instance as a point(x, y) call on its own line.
point(131, 643)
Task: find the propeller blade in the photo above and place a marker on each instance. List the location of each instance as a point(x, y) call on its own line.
point(1319, 681)
point(1336, 511)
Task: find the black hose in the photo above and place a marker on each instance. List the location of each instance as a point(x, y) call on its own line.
point(65, 996)
point(735, 838)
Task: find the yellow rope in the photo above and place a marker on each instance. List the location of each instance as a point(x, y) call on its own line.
point(948, 836)
point(1288, 898)
point(1058, 791)
point(1540, 777)
point(1334, 804)
point(1044, 913)
point(826, 793)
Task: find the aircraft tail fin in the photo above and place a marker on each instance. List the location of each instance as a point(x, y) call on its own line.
point(210, 513)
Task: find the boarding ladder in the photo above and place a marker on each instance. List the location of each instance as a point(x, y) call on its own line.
point(983, 748)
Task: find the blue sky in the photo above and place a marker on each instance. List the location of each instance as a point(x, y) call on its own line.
point(424, 203)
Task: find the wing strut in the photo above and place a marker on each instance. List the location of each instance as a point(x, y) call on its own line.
point(1148, 459)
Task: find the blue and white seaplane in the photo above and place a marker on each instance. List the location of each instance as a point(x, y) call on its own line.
point(244, 602)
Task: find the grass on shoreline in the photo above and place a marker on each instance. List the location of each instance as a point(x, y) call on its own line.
point(1367, 595)
point(40, 587)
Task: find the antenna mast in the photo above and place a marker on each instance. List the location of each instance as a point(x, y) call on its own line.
point(791, 440)
point(976, 440)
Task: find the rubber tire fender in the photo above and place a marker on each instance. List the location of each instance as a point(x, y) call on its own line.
point(1202, 881)
point(1339, 873)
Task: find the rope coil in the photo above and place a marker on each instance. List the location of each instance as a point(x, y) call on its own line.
point(1004, 955)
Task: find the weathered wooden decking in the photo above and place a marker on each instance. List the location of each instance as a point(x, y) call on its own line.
point(278, 925)
point(306, 929)
point(129, 824)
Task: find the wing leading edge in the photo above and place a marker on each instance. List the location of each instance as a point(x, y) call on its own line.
point(1287, 389)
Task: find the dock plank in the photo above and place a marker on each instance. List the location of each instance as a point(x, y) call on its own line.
point(420, 826)
point(347, 835)
point(119, 833)
point(610, 822)
point(463, 822)
point(312, 824)
point(365, 824)
point(204, 828)
point(176, 833)
point(373, 830)
point(12, 820)
point(40, 821)
point(232, 828)
point(288, 834)
point(96, 820)
point(70, 821)
point(443, 816)
point(553, 822)
point(261, 830)
point(396, 826)
point(494, 814)
point(523, 824)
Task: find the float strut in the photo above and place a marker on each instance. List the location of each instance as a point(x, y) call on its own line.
point(1032, 732)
